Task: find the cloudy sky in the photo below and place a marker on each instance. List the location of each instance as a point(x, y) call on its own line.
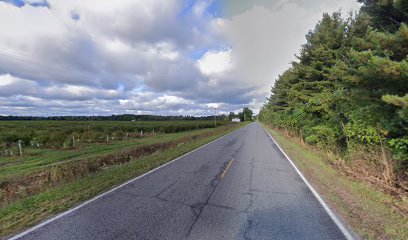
point(172, 57)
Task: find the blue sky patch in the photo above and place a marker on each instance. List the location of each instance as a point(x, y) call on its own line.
point(22, 3)
point(75, 16)
point(214, 9)
point(198, 53)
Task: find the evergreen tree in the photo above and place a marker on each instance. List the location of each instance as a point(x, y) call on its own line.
point(349, 86)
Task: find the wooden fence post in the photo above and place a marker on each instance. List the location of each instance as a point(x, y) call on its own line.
point(20, 147)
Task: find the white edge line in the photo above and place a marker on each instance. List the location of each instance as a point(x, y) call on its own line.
point(343, 229)
point(109, 191)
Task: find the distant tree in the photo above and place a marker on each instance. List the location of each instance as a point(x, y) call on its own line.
point(231, 116)
point(247, 114)
point(124, 117)
point(240, 115)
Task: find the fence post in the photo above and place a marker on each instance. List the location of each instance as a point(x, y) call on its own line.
point(73, 141)
point(20, 147)
point(107, 137)
point(141, 133)
point(127, 135)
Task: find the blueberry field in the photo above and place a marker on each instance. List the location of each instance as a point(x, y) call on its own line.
point(68, 134)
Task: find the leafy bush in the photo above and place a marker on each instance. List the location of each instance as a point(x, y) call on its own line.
point(400, 149)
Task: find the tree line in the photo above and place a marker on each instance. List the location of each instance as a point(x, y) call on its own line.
point(348, 89)
point(121, 117)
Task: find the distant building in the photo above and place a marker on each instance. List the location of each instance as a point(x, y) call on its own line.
point(235, 120)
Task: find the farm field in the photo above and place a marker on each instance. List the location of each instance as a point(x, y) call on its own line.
point(63, 141)
point(63, 133)
point(34, 185)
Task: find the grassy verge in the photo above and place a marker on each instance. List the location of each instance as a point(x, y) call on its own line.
point(371, 213)
point(29, 211)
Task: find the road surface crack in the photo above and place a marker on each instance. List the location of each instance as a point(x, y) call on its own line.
point(168, 187)
point(214, 183)
point(248, 230)
point(251, 201)
point(221, 206)
point(163, 200)
point(272, 192)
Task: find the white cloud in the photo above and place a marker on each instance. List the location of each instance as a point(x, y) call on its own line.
point(103, 56)
point(10, 86)
point(215, 62)
point(265, 40)
point(6, 80)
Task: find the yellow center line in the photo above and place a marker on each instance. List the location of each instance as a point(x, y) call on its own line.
point(226, 169)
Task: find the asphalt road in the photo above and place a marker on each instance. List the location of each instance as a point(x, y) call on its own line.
point(239, 187)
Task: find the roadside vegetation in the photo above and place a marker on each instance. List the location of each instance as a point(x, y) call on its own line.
point(371, 213)
point(50, 179)
point(347, 94)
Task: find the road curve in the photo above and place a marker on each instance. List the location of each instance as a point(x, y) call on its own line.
point(239, 187)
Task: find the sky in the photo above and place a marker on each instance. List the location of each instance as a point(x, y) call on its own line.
point(167, 57)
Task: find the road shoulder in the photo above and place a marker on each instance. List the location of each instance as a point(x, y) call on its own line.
point(369, 212)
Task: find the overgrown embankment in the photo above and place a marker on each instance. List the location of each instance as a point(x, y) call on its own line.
point(372, 214)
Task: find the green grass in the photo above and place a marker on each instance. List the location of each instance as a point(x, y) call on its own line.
point(31, 210)
point(371, 213)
